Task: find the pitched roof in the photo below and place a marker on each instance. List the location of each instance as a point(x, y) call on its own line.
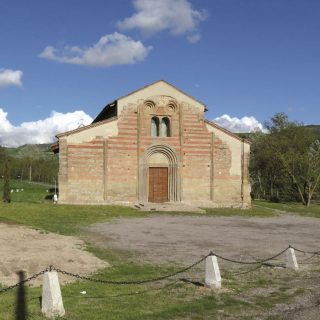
point(166, 82)
point(92, 125)
point(111, 109)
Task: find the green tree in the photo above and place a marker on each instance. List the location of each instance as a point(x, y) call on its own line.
point(6, 183)
point(301, 161)
point(285, 161)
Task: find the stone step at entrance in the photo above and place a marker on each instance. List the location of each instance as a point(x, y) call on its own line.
point(167, 207)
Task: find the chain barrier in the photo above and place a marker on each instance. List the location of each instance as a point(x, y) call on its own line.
point(129, 282)
point(302, 251)
point(260, 263)
point(251, 262)
point(24, 281)
point(307, 259)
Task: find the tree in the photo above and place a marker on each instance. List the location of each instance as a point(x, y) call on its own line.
point(6, 184)
point(285, 161)
point(278, 122)
point(303, 166)
point(266, 170)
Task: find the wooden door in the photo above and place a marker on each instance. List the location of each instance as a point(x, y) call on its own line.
point(158, 184)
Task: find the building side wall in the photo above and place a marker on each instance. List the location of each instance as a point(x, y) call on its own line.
point(230, 174)
point(106, 130)
point(63, 170)
point(85, 171)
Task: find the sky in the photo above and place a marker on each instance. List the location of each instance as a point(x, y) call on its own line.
point(62, 61)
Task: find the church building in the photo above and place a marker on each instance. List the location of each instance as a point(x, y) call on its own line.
point(154, 145)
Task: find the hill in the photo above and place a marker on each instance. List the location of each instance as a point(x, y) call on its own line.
point(34, 151)
point(248, 135)
point(315, 127)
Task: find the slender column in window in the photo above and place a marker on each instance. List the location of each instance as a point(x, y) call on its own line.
point(165, 127)
point(154, 127)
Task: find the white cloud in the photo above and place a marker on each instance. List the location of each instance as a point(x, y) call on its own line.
point(40, 131)
point(10, 77)
point(245, 124)
point(152, 16)
point(111, 49)
point(194, 38)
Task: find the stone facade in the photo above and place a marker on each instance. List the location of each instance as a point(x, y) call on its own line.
point(160, 127)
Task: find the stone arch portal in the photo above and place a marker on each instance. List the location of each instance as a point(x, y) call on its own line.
point(160, 156)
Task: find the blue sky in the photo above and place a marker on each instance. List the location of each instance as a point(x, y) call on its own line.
point(242, 58)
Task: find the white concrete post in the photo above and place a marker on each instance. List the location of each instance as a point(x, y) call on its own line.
point(291, 259)
point(52, 304)
point(213, 277)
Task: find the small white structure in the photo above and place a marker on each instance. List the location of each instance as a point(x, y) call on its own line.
point(213, 277)
point(291, 259)
point(55, 198)
point(52, 304)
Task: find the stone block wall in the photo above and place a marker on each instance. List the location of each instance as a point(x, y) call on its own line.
point(80, 179)
point(196, 155)
point(121, 159)
point(108, 168)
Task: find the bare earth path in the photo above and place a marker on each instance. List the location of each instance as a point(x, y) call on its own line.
point(184, 239)
point(22, 248)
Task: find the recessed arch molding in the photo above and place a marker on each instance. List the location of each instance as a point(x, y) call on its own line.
point(173, 165)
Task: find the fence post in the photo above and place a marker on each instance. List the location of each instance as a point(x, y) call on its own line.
point(291, 259)
point(212, 277)
point(52, 304)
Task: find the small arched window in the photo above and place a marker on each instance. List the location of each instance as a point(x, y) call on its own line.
point(154, 127)
point(165, 127)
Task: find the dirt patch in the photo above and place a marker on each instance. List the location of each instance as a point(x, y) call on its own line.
point(183, 239)
point(26, 249)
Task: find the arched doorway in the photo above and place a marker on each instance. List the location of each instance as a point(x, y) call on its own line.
point(159, 178)
point(158, 183)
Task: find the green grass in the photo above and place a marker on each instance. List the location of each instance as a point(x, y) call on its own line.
point(254, 211)
point(160, 301)
point(33, 192)
point(62, 219)
point(178, 300)
point(291, 207)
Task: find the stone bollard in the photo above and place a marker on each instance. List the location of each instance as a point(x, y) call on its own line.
point(213, 277)
point(291, 259)
point(52, 304)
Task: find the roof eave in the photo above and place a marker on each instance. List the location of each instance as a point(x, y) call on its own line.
point(92, 125)
point(227, 132)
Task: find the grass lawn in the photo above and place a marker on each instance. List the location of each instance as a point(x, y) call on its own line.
point(173, 299)
point(254, 211)
point(166, 300)
point(292, 207)
point(32, 191)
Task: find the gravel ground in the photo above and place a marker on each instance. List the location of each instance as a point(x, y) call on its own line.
point(184, 239)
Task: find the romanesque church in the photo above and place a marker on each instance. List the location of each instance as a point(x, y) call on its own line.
point(153, 145)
